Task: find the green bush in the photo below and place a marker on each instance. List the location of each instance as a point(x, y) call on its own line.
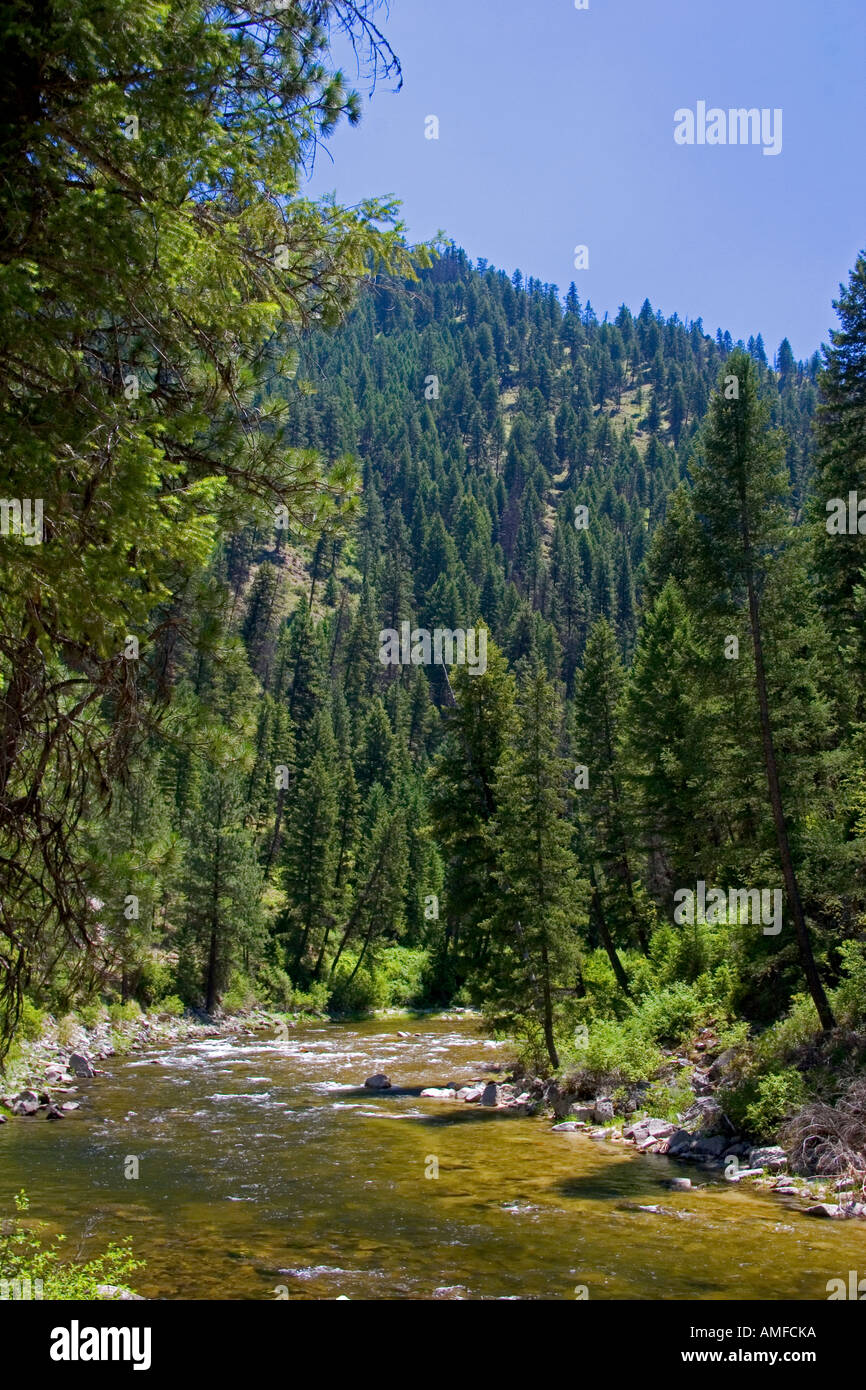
point(68, 1030)
point(93, 1013)
point(156, 980)
point(618, 1051)
point(604, 998)
point(671, 1014)
point(403, 968)
point(849, 1000)
point(31, 1022)
point(311, 1001)
point(276, 986)
point(26, 1254)
point(679, 954)
point(172, 1004)
point(366, 992)
point(129, 1012)
point(760, 1104)
point(241, 994)
point(667, 1101)
point(777, 1044)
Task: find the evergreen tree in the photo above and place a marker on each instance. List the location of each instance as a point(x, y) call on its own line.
point(541, 896)
point(312, 848)
point(222, 878)
point(740, 495)
point(600, 807)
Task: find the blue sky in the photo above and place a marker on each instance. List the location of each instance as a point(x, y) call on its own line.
point(556, 129)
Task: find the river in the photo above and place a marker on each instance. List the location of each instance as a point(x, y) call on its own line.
point(266, 1170)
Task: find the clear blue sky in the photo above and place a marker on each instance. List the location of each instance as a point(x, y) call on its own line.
point(556, 128)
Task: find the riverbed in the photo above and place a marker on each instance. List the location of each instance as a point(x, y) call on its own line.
point(266, 1170)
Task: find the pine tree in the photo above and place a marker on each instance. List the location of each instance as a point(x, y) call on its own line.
point(223, 885)
point(740, 495)
point(463, 803)
point(312, 847)
point(600, 807)
point(534, 927)
point(668, 717)
point(841, 470)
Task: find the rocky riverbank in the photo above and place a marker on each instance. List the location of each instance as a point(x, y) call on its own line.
point(44, 1078)
point(702, 1134)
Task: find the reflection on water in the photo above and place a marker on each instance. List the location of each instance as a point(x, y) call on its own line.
point(265, 1164)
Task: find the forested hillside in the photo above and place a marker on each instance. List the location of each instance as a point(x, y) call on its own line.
point(301, 823)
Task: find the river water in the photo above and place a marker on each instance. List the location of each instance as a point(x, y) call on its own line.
point(266, 1170)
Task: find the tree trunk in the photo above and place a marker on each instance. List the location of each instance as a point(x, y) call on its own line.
point(210, 990)
point(597, 909)
point(213, 953)
point(275, 838)
point(548, 1006)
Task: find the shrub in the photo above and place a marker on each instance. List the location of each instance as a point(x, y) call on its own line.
point(759, 1104)
point(667, 1101)
point(156, 980)
point(313, 1000)
point(441, 979)
point(677, 954)
point(276, 986)
point(240, 995)
point(800, 1028)
point(850, 998)
point(528, 1037)
point(68, 1029)
point(31, 1022)
point(670, 1014)
point(617, 1052)
point(403, 968)
point(27, 1255)
point(129, 1012)
point(172, 1004)
point(361, 995)
point(91, 1014)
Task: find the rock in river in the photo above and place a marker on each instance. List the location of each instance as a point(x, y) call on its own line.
point(80, 1065)
point(378, 1082)
point(25, 1103)
point(772, 1157)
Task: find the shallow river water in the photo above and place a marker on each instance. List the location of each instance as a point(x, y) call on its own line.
point(265, 1166)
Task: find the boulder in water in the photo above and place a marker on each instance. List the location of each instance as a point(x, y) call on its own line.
point(80, 1065)
point(25, 1103)
point(772, 1157)
point(378, 1082)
